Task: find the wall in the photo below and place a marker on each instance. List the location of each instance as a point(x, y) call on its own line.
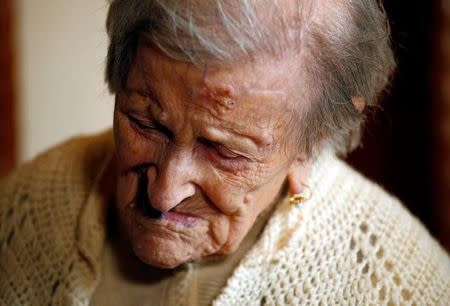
point(7, 93)
point(61, 49)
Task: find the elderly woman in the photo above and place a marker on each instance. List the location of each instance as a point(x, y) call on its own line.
point(219, 183)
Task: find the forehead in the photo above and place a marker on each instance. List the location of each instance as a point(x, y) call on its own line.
point(254, 90)
point(220, 83)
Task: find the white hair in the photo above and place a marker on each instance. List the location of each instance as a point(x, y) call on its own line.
point(347, 44)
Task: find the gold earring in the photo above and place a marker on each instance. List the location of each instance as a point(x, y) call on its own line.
point(300, 198)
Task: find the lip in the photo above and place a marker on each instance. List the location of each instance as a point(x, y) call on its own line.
point(187, 220)
point(177, 220)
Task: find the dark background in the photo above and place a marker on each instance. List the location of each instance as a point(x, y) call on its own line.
point(400, 141)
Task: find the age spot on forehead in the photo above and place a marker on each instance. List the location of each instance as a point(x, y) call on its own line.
point(221, 99)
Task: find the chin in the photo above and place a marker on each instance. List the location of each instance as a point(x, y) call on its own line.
point(167, 243)
point(163, 253)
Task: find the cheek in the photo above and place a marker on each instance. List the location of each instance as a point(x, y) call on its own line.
point(224, 191)
point(265, 183)
point(126, 189)
point(232, 193)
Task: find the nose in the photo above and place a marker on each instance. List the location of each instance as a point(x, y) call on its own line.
point(172, 181)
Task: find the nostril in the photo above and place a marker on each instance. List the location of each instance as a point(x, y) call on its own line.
point(143, 200)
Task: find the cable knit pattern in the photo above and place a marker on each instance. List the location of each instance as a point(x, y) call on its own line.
point(350, 244)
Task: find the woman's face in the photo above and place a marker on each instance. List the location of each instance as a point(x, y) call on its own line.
point(211, 148)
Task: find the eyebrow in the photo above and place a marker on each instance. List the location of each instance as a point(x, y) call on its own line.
point(147, 91)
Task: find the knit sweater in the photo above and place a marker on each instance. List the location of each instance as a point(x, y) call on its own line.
point(350, 244)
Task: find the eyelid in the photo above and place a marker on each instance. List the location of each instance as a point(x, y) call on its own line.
point(141, 123)
point(230, 164)
point(150, 125)
point(222, 150)
point(227, 153)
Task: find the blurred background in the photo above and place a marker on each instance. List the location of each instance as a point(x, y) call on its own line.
point(51, 87)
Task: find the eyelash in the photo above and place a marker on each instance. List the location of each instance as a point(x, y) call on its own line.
point(149, 127)
point(222, 151)
point(235, 163)
point(140, 125)
point(226, 155)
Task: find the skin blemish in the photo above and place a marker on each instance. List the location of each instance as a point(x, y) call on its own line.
point(248, 199)
point(163, 117)
point(221, 98)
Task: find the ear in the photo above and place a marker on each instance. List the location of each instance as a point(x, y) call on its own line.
point(298, 175)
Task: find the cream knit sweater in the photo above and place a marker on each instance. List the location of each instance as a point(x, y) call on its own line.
point(351, 244)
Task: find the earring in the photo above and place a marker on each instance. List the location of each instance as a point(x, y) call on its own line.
point(300, 198)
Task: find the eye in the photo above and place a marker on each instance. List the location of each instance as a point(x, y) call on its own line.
point(226, 158)
point(149, 126)
point(225, 152)
point(141, 124)
point(220, 150)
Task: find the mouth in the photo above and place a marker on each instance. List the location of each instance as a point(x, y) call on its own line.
point(180, 218)
point(171, 221)
point(172, 217)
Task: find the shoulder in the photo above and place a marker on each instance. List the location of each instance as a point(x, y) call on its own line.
point(56, 175)
point(40, 207)
point(385, 248)
point(351, 243)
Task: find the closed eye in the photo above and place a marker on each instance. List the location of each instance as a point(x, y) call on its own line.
point(149, 125)
point(225, 152)
point(221, 150)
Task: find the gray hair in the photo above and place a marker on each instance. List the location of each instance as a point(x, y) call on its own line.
point(345, 48)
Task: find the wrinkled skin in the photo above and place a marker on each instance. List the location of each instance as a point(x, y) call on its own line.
point(214, 146)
